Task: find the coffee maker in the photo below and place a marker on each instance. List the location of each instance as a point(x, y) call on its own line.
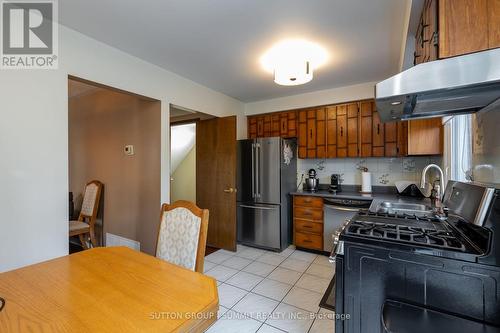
point(335, 184)
point(311, 182)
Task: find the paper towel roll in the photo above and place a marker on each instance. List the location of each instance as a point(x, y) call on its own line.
point(366, 182)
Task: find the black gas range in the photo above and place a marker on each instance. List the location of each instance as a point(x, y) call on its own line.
point(409, 273)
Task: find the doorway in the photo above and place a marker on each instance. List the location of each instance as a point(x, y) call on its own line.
point(203, 169)
point(114, 137)
point(183, 152)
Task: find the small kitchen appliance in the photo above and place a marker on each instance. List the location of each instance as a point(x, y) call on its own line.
point(335, 183)
point(311, 182)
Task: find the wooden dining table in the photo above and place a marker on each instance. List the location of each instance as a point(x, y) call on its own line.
point(107, 289)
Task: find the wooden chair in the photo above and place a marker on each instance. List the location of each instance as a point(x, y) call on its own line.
point(84, 226)
point(182, 235)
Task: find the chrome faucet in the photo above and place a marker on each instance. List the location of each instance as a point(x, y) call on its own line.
point(437, 193)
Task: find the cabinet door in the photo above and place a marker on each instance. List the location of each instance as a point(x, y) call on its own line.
point(292, 124)
point(402, 146)
point(275, 125)
point(252, 127)
point(352, 130)
point(331, 132)
point(463, 27)
point(321, 133)
point(260, 127)
point(425, 137)
point(311, 137)
point(341, 134)
point(302, 133)
point(267, 126)
point(391, 139)
point(493, 23)
point(378, 136)
point(283, 124)
point(366, 127)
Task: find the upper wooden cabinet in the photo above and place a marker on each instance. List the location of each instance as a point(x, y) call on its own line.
point(454, 27)
point(350, 130)
point(425, 137)
point(282, 124)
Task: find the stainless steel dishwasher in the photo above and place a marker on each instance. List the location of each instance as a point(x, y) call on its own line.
point(336, 211)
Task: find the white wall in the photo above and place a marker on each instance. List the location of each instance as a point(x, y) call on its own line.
point(320, 97)
point(34, 138)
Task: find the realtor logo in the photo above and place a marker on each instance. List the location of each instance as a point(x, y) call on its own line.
point(29, 34)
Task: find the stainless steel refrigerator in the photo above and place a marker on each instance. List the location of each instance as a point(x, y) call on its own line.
point(266, 174)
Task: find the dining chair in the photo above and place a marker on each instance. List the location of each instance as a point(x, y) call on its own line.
point(182, 235)
point(84, 227)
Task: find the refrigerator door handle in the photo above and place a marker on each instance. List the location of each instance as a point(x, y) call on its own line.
point(259, 207)
point(253, 170)
point(257, 170)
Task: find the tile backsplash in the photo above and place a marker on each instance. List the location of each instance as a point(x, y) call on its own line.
point(385, 170)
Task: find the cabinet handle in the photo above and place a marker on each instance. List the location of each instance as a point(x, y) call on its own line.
point(307, 241)
point(378, 129)
point(311, 133)
point(341, 131)
point(307, 226)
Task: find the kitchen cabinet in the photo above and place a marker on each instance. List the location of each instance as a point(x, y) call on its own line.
point(275, 124)
point(455, 27)
point(331, 132)
point(425, 137)
point(350, 130)
point(308, 222)
point(321, 133)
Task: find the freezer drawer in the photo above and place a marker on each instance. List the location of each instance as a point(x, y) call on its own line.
point(259, 225)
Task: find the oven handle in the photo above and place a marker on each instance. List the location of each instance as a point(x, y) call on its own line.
point(345, 209)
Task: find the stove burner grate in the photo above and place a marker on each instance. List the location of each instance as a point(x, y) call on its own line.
point(407, 234)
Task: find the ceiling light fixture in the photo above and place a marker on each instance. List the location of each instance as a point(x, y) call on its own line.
point(293, 61)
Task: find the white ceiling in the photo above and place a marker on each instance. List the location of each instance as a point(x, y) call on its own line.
point(218, 43)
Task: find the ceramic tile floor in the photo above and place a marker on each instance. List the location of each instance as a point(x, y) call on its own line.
point(268, 292)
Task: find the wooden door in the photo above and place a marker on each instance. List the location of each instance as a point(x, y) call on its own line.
point(302, 134)
point(391, 139)
point(252, 127)
point(366, 128)
point(463, 27)
point(321, 133)
point(331, 132)
point(267, 126)
point(311, 133)
point(275, 125)
point(425, 137)
point(283, 124)
point(260, 127)
point(342, 131)
point(216, 178)
point(292, 124)
point(402, 145)
point(493, 23)
point(352, 130)
point(378, 136)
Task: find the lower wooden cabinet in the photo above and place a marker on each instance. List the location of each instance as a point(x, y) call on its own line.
point(308, 222)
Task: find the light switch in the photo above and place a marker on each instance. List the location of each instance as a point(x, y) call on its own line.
point(129, 150)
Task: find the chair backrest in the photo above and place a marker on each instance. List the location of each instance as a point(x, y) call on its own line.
point(182, 235)
point(90, 204)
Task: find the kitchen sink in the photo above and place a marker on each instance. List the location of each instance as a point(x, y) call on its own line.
point(404, 208)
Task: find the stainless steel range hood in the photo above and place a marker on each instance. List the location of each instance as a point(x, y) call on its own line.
point(463, 84)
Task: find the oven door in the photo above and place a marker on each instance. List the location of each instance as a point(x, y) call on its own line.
point(332, 299)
